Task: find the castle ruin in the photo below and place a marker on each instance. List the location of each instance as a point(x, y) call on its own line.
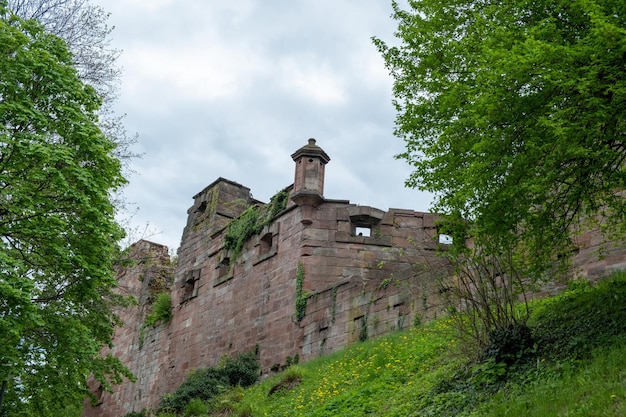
point(320, 275)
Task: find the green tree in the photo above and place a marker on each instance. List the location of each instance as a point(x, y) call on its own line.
point(514, 116)
point(83, 26)
point(57, 229)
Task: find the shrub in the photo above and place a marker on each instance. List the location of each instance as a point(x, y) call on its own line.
point(508, 344)
point(243, 371)
point(204, 384)
point(196, 407)
point(161, 310)
point(487, 298)
point(201, 384)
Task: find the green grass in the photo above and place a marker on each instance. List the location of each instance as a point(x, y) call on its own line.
point(358, 381)
point(577, 368)
point(594, 388)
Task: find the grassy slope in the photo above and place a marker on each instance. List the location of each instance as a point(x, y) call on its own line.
point(577, 369)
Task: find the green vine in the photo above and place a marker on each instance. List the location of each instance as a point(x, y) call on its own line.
point(241, 229)
point(333, 308)
point(161, 313)
point(252, 221)
point(161, 310)
point(206, 211)
point(364, 319)
point(363, 331)
point(301, 296)
point(278, 203)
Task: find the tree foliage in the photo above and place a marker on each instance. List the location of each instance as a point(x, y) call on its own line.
point(514, 115)
point(83, 26)
point(57, 229)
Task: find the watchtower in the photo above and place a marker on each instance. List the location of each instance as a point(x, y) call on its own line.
point(308, 185)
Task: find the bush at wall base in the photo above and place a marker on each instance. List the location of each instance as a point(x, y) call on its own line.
point(206, 383)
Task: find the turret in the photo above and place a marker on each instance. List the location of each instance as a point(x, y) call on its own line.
point(308, 185)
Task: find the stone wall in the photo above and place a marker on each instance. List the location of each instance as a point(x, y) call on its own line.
point(148, 271)
point(362, 287)
point(356, 287)
point(596, 256)
point(367, 272)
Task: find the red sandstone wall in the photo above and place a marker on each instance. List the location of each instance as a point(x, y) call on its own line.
point(597, 256)
point(367, 286)
point(218, 311)
point(358, 286)
point(149, 273)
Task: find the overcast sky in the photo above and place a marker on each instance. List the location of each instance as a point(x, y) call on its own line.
point(232, 88)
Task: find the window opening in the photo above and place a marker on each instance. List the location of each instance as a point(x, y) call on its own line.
point(445, 239)
point(363, 231)
point(265, 244)
point(201, 208)
point(190, 285)
point(224, 267)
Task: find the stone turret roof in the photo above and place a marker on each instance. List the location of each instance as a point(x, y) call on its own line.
point(311, 149)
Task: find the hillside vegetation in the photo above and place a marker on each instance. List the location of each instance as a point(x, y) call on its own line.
point(576, 367)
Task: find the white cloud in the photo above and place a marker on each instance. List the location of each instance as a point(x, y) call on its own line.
point(198, 70)
point(232, 88)
point(304, 76)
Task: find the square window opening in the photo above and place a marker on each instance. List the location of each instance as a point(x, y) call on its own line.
point(265, 244)
point(190, 285)
point(363, 231)
point(224, 267)
point(445, 239)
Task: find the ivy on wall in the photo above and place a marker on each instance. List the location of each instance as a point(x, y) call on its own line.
point(252, 221)
point(301, 296)
point(241, 229)
point(161, 310)
point(278, 203)
point(206, 211)
point(161, 313)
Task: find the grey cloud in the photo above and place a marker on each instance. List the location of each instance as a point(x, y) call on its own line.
point(231, 89)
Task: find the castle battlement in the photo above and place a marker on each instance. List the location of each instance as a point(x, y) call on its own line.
point(228, 297)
